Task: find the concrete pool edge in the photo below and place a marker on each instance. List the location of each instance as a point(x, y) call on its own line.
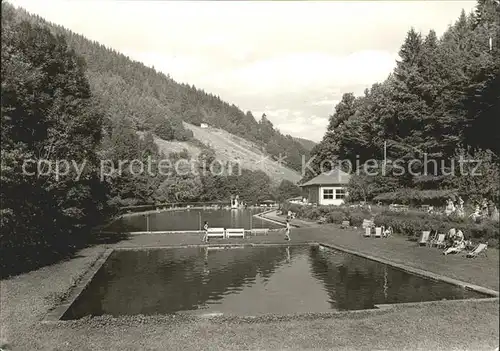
point(213, 246)
point(56, 314)
point(420, 272)
point(262, 215)
point(197, 232)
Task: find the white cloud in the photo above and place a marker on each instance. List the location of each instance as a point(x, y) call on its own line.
point(296, 72)
point(296, 123)
point(326, 102)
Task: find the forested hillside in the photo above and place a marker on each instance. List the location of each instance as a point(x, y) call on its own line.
point(442, 101)
point(47, 114)
point(152, 101)
point(69, 121)
point(307, 144)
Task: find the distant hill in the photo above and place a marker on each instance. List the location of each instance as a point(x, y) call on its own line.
point(306, 143)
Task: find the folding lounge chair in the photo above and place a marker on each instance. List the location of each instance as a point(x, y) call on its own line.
point(438, 241)
point(368, 232)
point(481, 248)
point(378, 232)
point(424, 237)
point(432, 238)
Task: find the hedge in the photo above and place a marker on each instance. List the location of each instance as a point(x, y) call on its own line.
point(416, 196)
point(410, 223)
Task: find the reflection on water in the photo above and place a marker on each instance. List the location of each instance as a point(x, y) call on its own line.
point(249, 281)
point(193, 220)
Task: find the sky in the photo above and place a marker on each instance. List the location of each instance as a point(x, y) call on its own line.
point(289, 60)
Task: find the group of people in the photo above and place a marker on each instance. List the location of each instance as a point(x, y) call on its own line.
point(454, 241)
point(485, 210)
point(452, 208)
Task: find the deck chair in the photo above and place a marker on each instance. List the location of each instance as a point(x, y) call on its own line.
point(432, 238)
point(345, 224)
point(481, 248)
point(438, 241)
point(378, 232)
point(424, 237)
point(368, 232)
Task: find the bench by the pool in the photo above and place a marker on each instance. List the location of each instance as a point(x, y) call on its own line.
point(235, 232)
point(216, 233)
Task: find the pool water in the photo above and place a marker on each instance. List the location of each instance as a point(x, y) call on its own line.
point(194, 219)
point(249, 281)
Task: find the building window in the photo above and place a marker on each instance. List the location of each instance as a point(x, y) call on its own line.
point(327, 194)
point(340, 193)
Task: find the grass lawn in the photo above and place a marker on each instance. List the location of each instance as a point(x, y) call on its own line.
point(464, 325)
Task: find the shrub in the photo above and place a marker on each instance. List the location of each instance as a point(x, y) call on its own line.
point(336, 217)
point(356, 219)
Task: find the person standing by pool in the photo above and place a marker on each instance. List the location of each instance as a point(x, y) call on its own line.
point(205, 228)
point(287, 230)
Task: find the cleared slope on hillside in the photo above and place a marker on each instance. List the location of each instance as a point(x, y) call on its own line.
point(231, 148)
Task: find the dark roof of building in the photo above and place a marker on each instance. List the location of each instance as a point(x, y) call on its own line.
point(335, 176)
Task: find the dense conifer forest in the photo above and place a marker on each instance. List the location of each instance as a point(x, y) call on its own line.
point(442, 100)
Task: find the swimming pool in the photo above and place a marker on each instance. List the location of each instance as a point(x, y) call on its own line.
point(250, 281)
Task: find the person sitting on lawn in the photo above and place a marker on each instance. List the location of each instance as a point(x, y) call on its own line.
point(450, 237)
point(387, 232)
point(457, 247)
point(459, 237)
point(458, 243)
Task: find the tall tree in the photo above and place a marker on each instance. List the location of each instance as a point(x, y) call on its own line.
point(48, 119)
